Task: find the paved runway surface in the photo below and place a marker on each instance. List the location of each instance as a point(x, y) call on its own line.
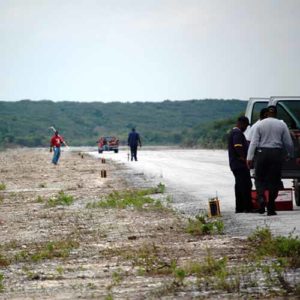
point(194, 176)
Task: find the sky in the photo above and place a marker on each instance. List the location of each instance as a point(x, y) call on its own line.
point(148, 50)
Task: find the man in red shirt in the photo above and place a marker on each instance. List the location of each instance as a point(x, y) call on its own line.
point(55, 143)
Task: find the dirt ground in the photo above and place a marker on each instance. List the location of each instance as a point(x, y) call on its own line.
point(76, 252)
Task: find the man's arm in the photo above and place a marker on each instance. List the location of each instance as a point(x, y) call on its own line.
point(253, 145)
point(63, 141)
point(237, 140)
point(288, 142)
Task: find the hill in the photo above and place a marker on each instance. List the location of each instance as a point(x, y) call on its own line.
point(27, 122)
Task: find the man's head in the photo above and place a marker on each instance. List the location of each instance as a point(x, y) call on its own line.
point(263, 113)
point(133, 129)
point(242, 123)
point(56, 132)
point(272, 111)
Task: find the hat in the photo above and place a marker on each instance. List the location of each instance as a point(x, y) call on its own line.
point(272, 109)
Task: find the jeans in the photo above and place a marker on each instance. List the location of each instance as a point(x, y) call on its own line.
point(56, 155)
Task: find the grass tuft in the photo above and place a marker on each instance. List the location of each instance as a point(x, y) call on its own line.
point(138, 199)
point(60, 199)
point(49, 250)
point(4, 262)
point(287, 249)
point(2, 186)
point(201, 226)
point(1, 283)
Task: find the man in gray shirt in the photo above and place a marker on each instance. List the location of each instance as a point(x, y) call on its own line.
point(268, 143)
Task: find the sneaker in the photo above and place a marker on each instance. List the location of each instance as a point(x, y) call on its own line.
point(262, 210)
point(272, 213)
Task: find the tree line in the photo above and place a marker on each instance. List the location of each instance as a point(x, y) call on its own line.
point(192, 123)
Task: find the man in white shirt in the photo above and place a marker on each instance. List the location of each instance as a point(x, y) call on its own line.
point(270, 138)
point(262, 115)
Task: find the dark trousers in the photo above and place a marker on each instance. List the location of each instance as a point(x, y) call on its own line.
point(133, 151)
point(242, 189)
point(268, 163)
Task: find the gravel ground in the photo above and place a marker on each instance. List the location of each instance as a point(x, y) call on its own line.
point(76, 252)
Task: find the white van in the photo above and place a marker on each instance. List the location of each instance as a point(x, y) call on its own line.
point(288, 110)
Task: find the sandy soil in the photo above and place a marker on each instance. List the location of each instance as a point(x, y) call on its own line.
point(105, 243)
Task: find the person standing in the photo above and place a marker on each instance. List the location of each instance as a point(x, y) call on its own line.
point(55, 144)
point(133, 142)
point(268, 143)
point(237, 152)
point(262, 115)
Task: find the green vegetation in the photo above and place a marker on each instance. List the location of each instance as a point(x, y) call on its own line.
point(209, 267)
point(48, 250)
point(60, 199)
point(60, 270)
point(267, 272)
point(1, 283)
point(3, 261)
point(210, 135)
point(286, 249)
point(2, 186)
point(149, 260)
point(109, 297)
point(27, 122)
point(40, 199)
point(137, 199)
point(200, 225)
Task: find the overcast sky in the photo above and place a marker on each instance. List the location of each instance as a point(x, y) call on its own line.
point(148, 50)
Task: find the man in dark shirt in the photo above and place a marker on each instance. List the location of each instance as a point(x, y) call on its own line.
point(237, 151)
point(133, 142)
